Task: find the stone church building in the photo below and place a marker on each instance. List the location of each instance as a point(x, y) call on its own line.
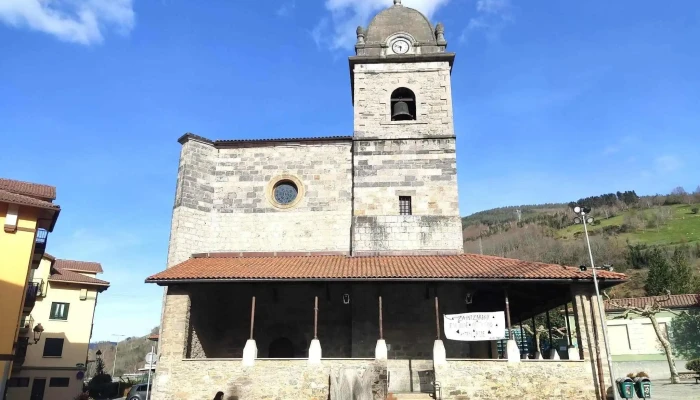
point(295, 260)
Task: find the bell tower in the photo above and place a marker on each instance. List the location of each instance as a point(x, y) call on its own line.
point(405, 182)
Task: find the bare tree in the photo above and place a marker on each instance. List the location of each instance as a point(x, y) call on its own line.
point(649, 311)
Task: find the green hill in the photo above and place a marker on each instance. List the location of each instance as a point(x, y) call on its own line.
point(546, 232)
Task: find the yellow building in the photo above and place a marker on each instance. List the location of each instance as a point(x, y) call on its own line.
point(53, 367)
point(27, 214)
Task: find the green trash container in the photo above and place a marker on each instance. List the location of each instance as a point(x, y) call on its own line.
point(642, 386)
point(626, 387)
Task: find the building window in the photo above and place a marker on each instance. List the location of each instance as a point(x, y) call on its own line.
point(18, 382)
point(59, 311)
point(405, 205)
point(53, 347)
point(285, 192)
point(59, 382)
point(403, 105)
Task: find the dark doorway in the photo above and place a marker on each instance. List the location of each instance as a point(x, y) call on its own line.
point(38, 387)
point(281, 348)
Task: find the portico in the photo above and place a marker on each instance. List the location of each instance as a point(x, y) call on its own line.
point(380, 312)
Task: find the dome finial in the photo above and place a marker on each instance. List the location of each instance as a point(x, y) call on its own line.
point(397, 2)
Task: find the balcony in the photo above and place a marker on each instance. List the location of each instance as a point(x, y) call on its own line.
point(25, 325)
point(41, 292)
point(30, 296)
point(42, 236)
point(20, 351)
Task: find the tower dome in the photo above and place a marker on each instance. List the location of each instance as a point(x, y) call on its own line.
point(402, 22)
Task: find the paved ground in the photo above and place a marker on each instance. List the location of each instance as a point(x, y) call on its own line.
point(686, 390)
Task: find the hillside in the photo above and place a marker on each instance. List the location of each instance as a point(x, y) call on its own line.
point(546, 232)
point(130, 357)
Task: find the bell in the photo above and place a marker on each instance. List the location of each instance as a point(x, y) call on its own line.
point(401, 112)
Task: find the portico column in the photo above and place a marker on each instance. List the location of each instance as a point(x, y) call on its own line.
point(571, 350)
point(315, 348)
point(439, 354)
point(512, 351)
point(553, 353)
point(250, 351)
point(380, 350)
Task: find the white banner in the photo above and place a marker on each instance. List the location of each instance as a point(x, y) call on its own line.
point(475, 326)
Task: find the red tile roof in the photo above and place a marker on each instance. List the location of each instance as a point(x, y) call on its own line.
point(79, 266)
point(45, 192)
point(62, 275)
point(23, 200)
point(184, 138)
point(676, 301)
point(435, 267)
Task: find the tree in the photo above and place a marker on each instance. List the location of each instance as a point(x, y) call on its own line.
point(649, 311)
point(686, 340)
point(660, 276)
point(100, 383)
point(683, 276)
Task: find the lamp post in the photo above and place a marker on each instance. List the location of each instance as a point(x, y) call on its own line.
point(116, 351)
point(584, 218)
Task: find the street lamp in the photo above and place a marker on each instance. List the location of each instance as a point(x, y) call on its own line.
point(38, 329)
point(116, 351)
point(583, 217)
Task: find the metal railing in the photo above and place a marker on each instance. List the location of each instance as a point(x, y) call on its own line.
point(30, 295)
point(41, 292)
point(20, 351)
point(25, 325)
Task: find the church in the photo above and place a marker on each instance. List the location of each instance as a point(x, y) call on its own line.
point(323, 267)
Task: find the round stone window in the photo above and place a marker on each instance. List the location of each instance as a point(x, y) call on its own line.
point(285, 192)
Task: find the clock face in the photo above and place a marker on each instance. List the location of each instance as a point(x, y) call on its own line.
point(400, 46)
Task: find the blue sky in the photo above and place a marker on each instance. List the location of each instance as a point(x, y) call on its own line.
point(553, 101)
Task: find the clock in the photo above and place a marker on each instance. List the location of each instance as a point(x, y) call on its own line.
point(400, 46)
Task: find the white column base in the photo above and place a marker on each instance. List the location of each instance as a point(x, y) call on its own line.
point(512, 351)
point(573, 353)
point(380, 350)
point(554, 354)
point(315, 352)
point(250, 353)
point(439, 354)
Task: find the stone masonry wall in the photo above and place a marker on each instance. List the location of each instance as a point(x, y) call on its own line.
point(267, 379)
point(191, 221)
point(425, 170)
point(223, 199)
point(244, 218)
point(527, 380)
point(429, 81)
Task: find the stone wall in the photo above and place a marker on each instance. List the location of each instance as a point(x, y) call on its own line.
point(423, 169)
point(429, 81)
point(223, 198)
point(267, 379)
point(527, 380)
point(245, 218)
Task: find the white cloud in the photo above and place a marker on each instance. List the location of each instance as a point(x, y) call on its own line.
point(491, 17)
point(77, 21)
point(286, 9)
point(337, 30)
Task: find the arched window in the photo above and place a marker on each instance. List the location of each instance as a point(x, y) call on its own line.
point(403, 105)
